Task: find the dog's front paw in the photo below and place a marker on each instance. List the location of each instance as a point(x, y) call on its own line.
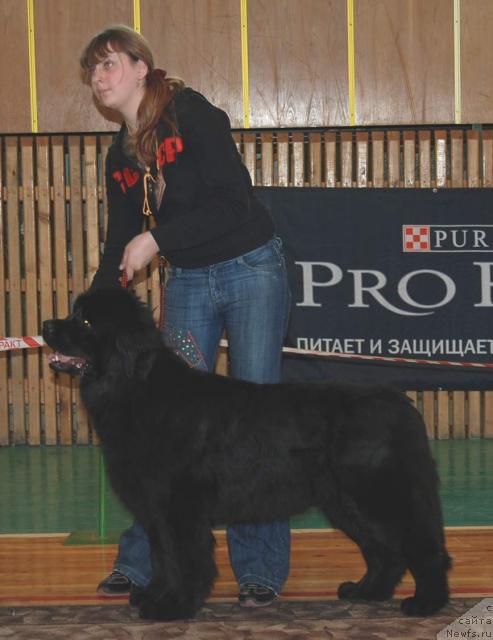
point(150, 610)
point(418, 607)
point(358, 591)
point(165, 608)
point(136, 595)
point(349, 591)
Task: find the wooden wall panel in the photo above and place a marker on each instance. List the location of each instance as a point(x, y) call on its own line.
point(404, 61)
point(62, 29)
point(298, 71)
point(15, 109)
point(476, 60)
point(199, 42)
point(298, 63)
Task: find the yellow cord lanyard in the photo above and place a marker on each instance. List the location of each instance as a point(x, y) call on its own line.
point(146, 209)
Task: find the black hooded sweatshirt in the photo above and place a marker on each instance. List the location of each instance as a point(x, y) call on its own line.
point(208, 211)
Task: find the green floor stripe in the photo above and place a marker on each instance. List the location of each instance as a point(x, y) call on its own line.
point(56, 489)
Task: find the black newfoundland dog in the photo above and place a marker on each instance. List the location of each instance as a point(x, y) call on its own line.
point(186, 450)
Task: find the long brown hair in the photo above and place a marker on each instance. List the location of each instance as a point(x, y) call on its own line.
point(160, 90)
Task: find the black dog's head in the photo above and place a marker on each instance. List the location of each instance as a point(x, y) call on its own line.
point(104, 324)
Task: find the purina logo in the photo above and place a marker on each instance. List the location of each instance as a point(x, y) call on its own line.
point(416, 238)
point(447, 238)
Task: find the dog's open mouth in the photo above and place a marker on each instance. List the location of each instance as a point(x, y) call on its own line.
point(73, 365)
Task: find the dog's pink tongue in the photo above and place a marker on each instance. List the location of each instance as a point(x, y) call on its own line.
point(59, 357)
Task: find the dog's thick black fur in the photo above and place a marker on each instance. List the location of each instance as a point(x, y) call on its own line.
point(186, 450)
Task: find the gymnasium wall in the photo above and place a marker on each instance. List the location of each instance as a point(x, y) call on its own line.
point(269, 63)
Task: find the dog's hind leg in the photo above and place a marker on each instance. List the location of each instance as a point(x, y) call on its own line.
point(429, 563)
point(432, 593)
point(385, 569)
point(380, 547)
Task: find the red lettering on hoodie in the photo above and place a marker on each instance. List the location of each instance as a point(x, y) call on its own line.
point(126, 179)
point(167, 150)
point(166, 154)
point(130, 176)
point(117, 175)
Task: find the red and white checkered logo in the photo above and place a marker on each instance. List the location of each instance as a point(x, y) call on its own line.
point(415, 238)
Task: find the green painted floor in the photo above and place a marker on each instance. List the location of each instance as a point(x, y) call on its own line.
point(56, 489)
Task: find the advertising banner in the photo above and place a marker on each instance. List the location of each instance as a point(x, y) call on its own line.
point(393, 273)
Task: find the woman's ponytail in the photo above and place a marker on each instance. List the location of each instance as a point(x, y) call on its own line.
point(160, 91)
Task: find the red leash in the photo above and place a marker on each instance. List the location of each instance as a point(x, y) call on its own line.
point(162, 278)
point(124, 279)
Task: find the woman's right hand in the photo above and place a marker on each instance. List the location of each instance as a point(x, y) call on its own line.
point(138, 253)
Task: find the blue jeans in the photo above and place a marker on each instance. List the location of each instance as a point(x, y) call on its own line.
point(249, 297)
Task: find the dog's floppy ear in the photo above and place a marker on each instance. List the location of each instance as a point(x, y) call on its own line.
point(138, 359)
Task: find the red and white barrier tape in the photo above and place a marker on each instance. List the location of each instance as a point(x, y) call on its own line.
point(29, 342)
point(354, 356)
point(26, 342)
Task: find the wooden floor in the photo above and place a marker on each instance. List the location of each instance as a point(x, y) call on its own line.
point(42, 570)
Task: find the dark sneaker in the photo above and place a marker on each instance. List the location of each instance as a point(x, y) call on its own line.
point(116, 584)
point(256, 595)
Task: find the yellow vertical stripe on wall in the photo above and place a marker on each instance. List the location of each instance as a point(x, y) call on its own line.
point(32, 66)
point(137, 15)
point(244, 63)
point(350, 61)
point(457, 77)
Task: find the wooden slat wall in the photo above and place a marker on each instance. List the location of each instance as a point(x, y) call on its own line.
point(45, 290)
point(31, 281)
point(43, 249)
point(52, 223)
point(14, 320)
point(60, 245)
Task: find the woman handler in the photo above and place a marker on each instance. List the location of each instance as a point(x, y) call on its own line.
point(175, 158)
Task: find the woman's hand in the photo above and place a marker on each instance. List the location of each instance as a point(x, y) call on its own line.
point(138, 253)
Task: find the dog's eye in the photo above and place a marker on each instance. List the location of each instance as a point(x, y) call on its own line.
point(87, 323)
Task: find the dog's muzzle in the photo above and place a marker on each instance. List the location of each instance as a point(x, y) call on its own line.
point(59, 362)
point(72, 365)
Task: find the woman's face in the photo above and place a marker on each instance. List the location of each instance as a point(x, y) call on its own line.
point(117, 81)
